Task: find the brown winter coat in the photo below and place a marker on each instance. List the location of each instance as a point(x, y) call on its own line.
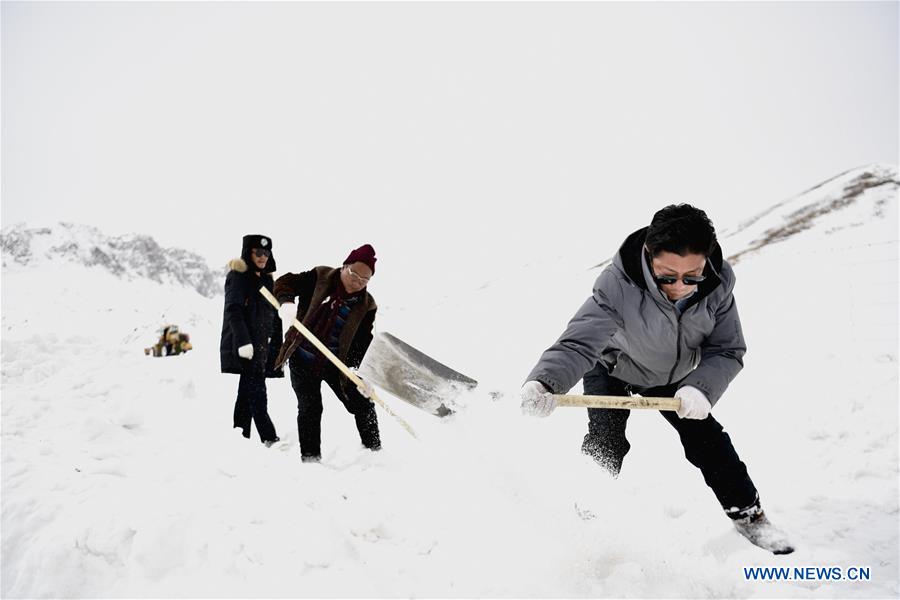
point(310, 289)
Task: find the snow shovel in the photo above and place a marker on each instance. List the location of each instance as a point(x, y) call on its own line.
point(627, 402)
point(337, 363)
point(412, 375)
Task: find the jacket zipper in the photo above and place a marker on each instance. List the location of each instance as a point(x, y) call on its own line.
point(677, 351)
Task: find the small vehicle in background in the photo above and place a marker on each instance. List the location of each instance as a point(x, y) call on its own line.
point(171, 342)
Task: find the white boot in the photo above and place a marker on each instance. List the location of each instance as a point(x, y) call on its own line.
point(759, 530)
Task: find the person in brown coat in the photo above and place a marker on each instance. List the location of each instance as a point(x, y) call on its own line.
point(334, 304)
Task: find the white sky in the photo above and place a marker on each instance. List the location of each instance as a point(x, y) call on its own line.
point(471, 134)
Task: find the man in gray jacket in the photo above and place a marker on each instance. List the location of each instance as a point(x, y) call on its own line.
point(662, 321)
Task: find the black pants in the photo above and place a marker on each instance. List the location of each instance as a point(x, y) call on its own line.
point(705, 443)
point(252, 403)
point(308, 388)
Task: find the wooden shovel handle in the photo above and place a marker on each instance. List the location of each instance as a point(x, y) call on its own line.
point(337, 362)
point(618, 402)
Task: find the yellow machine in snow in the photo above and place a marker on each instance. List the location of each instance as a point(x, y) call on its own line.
point(171, 342)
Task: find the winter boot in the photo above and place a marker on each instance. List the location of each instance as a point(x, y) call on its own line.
point(759, 530)
point(270, 443)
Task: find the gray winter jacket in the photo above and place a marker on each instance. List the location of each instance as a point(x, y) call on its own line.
point(632, 329)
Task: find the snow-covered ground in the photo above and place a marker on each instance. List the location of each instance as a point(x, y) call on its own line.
point(122, 477)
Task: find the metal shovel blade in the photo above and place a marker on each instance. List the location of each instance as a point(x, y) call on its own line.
point(395, 366)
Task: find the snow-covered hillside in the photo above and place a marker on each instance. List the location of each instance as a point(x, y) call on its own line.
point(129, 257)
point(852, 199)
point(122, 477)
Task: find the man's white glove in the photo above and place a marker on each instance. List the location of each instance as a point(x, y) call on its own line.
point(364, 390)
point(536, 400)
point(287, 313)
point(694, 404)
point(246, 351)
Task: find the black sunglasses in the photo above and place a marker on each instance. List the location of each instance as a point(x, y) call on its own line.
point(261, 252)
point(670, 279)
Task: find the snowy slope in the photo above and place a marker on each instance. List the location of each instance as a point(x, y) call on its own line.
point(121, 475)
point(129, 257)
point(852, 199)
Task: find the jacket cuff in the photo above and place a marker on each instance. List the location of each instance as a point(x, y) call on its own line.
point(548, 381)
point(703, 387)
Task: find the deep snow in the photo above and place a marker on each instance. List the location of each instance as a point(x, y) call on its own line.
point(121, 475)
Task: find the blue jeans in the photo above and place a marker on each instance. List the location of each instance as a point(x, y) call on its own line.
point(705, 443)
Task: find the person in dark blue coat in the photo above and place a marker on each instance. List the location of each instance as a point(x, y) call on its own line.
point(251, 335)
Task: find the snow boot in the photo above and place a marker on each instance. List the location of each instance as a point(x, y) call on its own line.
point(759, 530)
point(270, 443)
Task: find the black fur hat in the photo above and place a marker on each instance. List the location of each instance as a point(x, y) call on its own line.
point(261, 242)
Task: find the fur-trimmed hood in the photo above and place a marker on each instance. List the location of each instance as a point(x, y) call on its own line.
point(237, 264)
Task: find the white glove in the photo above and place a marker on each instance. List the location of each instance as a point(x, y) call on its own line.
point(694, 404)
point(364, 390)
point(536, 400)
point(287, 313)
point(246, 351)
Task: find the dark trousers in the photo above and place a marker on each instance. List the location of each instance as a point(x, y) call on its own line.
point(252, 403)
point(308, 387)
point(705, 443)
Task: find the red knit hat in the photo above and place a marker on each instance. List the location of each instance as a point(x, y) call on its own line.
point(364, 254)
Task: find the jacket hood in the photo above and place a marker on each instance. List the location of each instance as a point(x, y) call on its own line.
point(631, 253)
point(237, 264)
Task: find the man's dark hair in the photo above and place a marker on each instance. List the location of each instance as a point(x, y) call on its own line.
point(681, 229)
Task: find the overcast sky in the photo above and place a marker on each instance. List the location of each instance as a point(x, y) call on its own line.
point(465, 135)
